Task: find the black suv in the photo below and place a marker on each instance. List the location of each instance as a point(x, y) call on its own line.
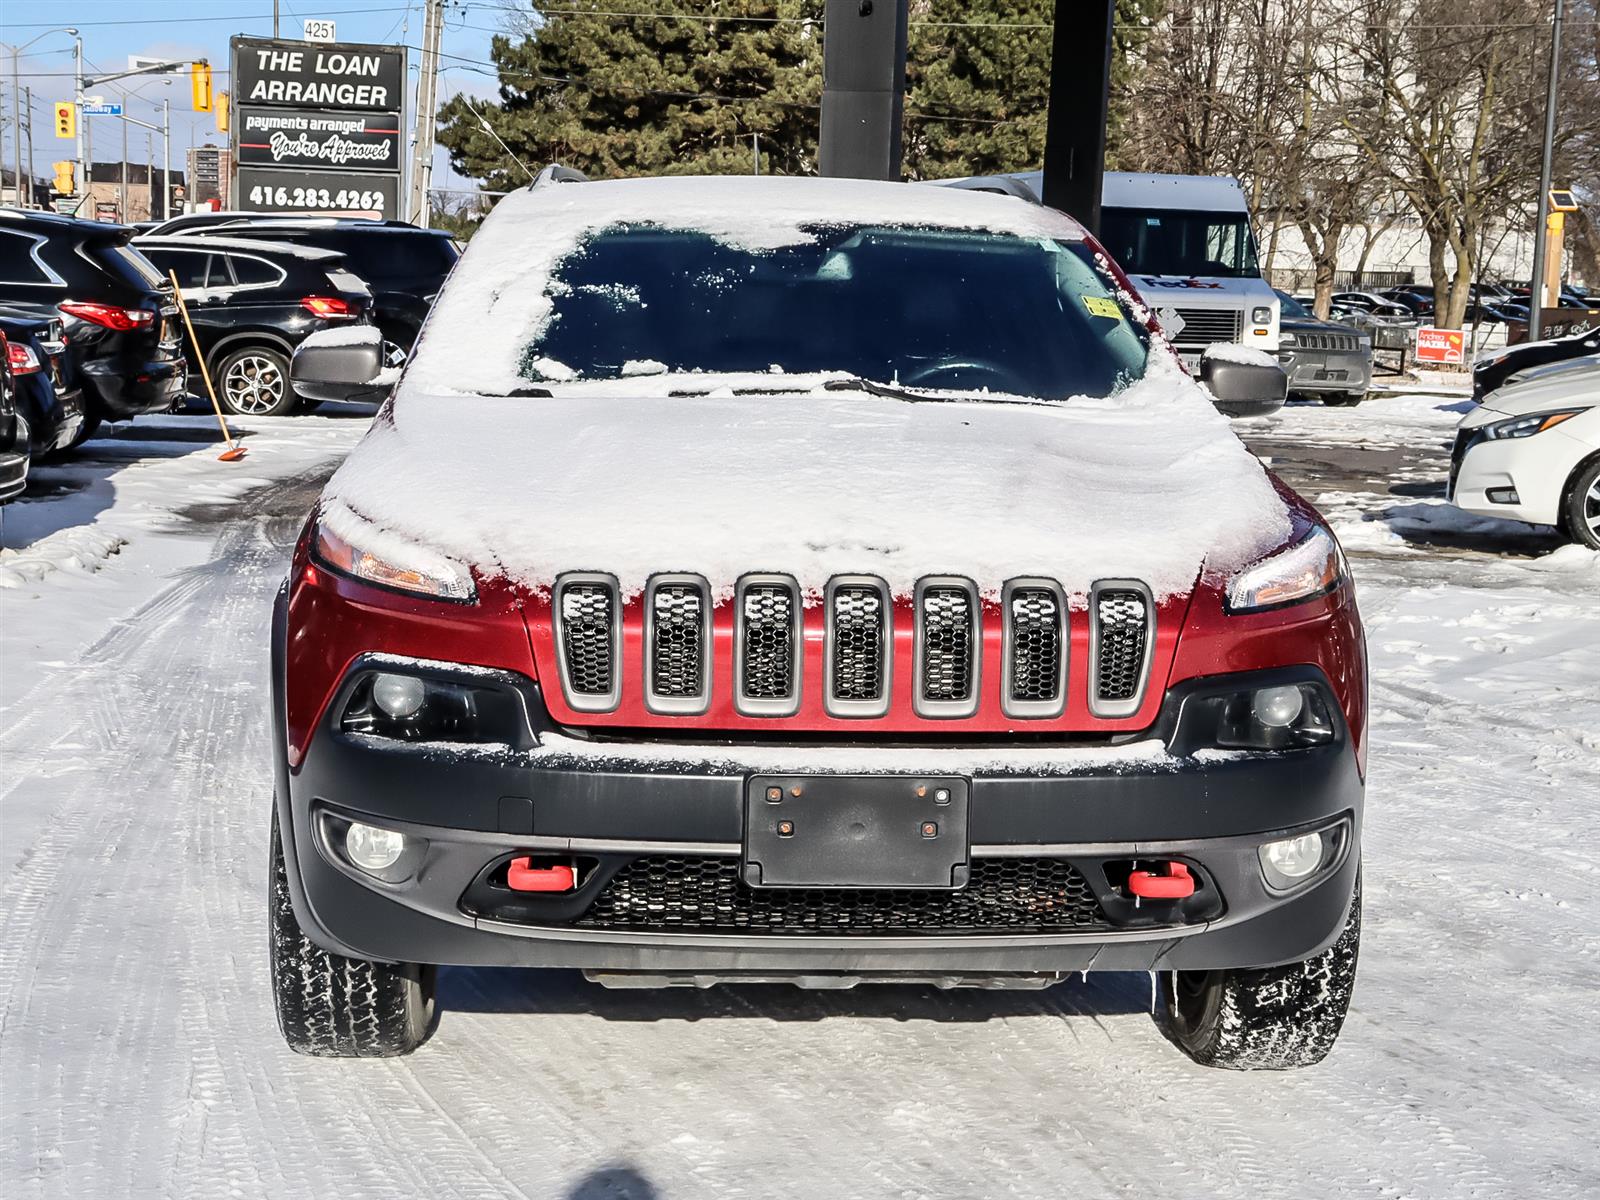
point(252, 302)
point(121, 323)
point(404, 266)
point(13, 434)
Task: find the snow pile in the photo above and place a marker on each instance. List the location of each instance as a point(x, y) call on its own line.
point(1147, 484)
point(496, 300)
point(83, 549)
point(1229, 352)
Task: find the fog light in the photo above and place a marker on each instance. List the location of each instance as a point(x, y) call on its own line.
point(399, 696)
point(373, 849)
point(1291, 860)
point(1277, 707)
point(1504, 496)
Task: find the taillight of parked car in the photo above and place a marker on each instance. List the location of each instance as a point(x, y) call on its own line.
point(328, 307)
point(109, 316)
point(22, 359)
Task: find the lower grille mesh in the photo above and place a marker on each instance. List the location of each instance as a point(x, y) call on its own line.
point(1123, 628)
point(858, 647)
point(1010, 895)
point(587, 611)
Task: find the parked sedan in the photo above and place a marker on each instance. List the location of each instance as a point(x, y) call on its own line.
point(121, 324)
point(1531, 451)
point(50, 403)
point(1391, 326)
point(1330, 361)
point(14, 458)
point(252, 303)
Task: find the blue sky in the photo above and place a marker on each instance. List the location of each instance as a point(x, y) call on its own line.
point(189, 29)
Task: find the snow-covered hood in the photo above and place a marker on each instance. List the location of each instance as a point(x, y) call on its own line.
point(1149, 484)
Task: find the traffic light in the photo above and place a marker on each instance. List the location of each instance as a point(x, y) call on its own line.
point(222, 112)
point(66, 119)
point(200, 86)
point(66, 176)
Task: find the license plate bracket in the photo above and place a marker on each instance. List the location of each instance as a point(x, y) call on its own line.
point(856, 831)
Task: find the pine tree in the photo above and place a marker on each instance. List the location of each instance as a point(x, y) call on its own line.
point(689, 88)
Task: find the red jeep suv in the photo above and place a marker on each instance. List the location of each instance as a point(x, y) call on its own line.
point(763, 579)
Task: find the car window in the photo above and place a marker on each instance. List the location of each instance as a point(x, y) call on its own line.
point(189, 265)
point(253, 272)
point(383, 255)
point(1290, 307)
point(126, 263)
point(1174, 242)
point(17, 262)
point(929, 307)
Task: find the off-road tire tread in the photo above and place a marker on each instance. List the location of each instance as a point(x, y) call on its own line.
point(330, 1006)
point(1274, 1018)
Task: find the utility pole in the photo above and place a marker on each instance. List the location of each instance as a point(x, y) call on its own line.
point(427, 103)
point(863, 88)
point(27, 103)
point(122, 192)
point(166, 158)
point(274, 18)
point(1075, 129)
point(1551, 97)
point(82, 122)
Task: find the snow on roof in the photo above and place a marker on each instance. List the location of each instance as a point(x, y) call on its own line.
point(623, 478)
point(495, 301)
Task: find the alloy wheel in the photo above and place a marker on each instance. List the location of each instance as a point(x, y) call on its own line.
point(253, 384)
point(1591, 510)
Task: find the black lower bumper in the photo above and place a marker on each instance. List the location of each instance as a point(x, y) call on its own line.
point(473, 810)
point(117, 388)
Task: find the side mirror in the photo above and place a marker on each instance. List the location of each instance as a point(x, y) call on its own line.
point(340, 364)
point(1244, 382)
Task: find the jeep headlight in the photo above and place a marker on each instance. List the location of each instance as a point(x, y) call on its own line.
point(1311, 567)
point(354, 546)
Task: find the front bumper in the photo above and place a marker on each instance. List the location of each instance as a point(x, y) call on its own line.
point(1520, 479)
point(686, 807)
point(1314, 372)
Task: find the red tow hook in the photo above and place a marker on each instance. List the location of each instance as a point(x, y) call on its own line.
point(1175, 883)
point(521, 876)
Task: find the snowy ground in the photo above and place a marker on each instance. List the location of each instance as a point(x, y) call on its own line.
point(137, 1047)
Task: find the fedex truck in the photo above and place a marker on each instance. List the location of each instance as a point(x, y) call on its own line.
point(1186, 242)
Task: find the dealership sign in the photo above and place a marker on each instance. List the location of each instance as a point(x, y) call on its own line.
point(1440, 345)
point(318, 126)
point(282, 138)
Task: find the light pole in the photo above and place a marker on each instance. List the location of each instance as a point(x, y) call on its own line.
point(16, 96)
point(1551, 95)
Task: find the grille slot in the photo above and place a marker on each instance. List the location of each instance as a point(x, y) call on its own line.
point(678, 641)
point(767, 644)
point(1202, 326)
point(1121, 640)
point(1004, 895)
point(1036, 649)
point(948, 645)
point(590, 636)
point(858, 646)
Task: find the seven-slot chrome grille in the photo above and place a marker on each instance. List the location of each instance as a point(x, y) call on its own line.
point(857, 616)
point(1202, 326)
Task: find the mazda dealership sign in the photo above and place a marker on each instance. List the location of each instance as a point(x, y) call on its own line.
point(318, 126)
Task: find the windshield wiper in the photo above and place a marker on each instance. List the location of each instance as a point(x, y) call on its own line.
point(855, 383)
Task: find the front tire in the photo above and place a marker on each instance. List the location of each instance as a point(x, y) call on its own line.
point(330, 1006)
point(1267, 1019)
point(254, 382)
point(1581, 512)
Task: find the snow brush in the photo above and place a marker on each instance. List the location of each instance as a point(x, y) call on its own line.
point(234, 452)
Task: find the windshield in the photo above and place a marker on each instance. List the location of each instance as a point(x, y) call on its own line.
point(915, 307)
point(1288, 306)
point(1147, 241)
